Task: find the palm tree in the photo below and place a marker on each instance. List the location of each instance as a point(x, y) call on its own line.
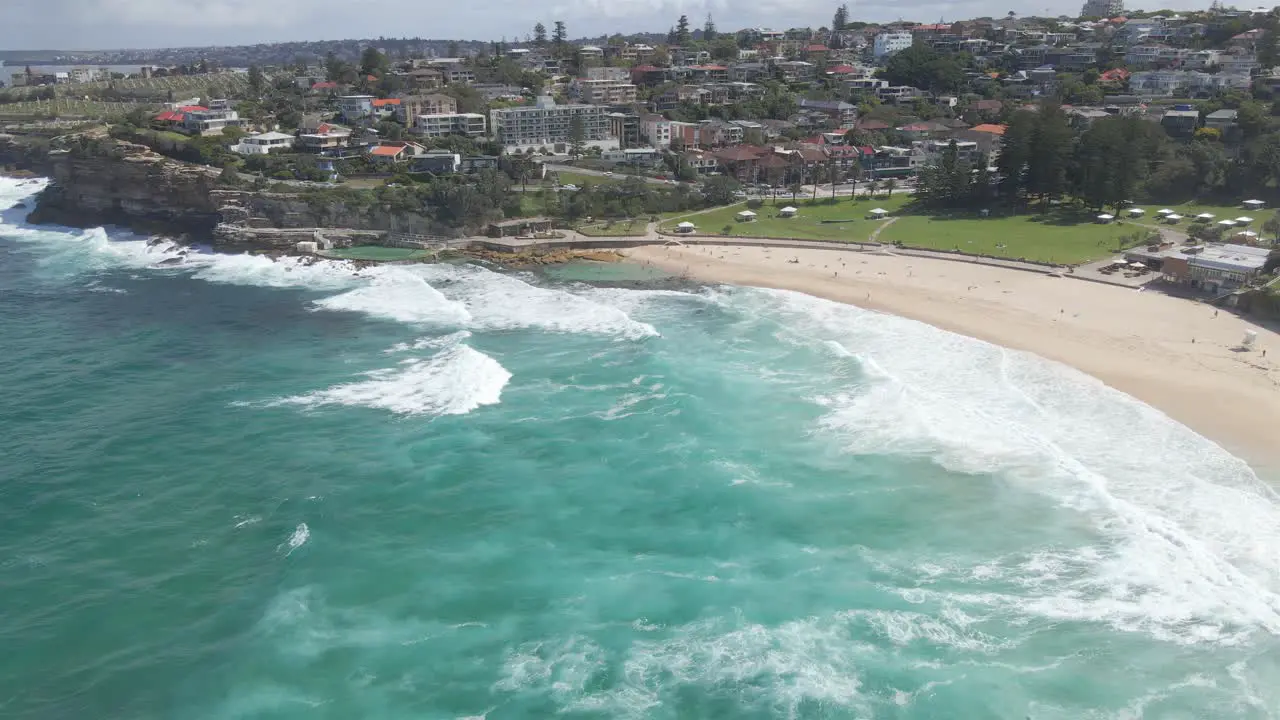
point(819, 176)
point(872, 187)
point(889, 185)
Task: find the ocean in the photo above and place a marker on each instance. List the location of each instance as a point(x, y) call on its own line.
point(238, 488)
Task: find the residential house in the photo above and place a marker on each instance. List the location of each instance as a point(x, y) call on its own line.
point(893, 161)
point(967, 151)
point(1182, 121)
point(626, 127)
point(210, 122)
point(655, 130)
point(796, 70)
point(425, 78)
point(841, 114)
point(718, 133)
point(924, 130)
point(395, 151)
point(263, 143)
point(709, 73)
point(591, 53)
point(612, 74)
point(1226, 122)
point(385, 107)
point(648, 75)
point(436, 162)
point(354, 108)
point(326, 139)
point(702, 161)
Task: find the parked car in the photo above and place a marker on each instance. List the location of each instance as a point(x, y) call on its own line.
point(568, 187)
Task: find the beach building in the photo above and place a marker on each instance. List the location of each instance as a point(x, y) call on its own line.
point(1213, 268)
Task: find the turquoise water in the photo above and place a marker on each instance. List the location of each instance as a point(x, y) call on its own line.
point(233, 488)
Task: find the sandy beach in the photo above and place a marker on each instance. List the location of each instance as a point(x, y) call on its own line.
point(1174, 354)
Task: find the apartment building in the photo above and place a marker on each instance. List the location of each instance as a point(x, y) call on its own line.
point(411, 106)
point(606, 92)
point(468, 124)
point(545, 123)
point(888, 43)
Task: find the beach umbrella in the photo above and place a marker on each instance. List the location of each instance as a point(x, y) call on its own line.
point(1135, 212)
point(1105, 217)
point(787, 209)
point(1244, 220)
point(1173, 217)
point(1164, 211)
point(1136, 265)
point(1227, 223)
point(1205, 216)
point(879, 211)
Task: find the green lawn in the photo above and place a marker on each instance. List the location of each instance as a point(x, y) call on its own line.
point(1058, 239)
point(376, 252)
point(617, 228)
point(806, 225)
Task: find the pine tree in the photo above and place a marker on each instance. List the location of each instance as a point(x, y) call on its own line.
point(682, 30)
point(1015, 153)
point(1051, 144)
point(540, 35)
point(577, 137)
point(559, 35)
point(709, 29)
point(840, 20)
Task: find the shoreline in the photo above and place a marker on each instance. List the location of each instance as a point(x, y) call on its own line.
point(1173, 354)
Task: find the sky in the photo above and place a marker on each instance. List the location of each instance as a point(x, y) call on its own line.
point(109, 24)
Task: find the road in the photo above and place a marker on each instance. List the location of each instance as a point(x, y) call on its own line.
point(600, 173)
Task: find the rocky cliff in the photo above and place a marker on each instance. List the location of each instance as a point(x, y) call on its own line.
point(101, 180)
point(114, 182)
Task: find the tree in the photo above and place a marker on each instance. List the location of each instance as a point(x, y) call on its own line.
point(682, 30)
point(725, 48)
point(1051, 145)
point(709, 30)
point(577, 137)
point(540, 35)
point(1272, 226)
point(872, 187)
point(889, 185)
point(559, 36)
point(923, 67)
point(840, 20)
point(719, 190)
point(373, 62)
point(1015, 152)
point(453, 48)
point(388, 130)
point(794, 189)
point(255, 79)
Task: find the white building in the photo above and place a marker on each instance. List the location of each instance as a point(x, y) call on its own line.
point(1170, 82)
point(546, 123)
point(887, 44)
point(210, 122)
point(468, 124)
point(262, 144)
point(1102, 8)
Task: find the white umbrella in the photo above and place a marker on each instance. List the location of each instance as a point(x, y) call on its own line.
point(1244, 220)
point(1227, 223)
point(1136, 211)
point(686, 225)
point(1164, 211)
point(1205, 216)
point(787, 209)
point(746, 214)
point(1173, 216)
point(1137, 265)
point(1104, 216)
point(1255, 204)
point(879, 211)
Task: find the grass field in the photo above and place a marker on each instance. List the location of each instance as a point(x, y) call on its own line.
point(1025, 237)
point(618, 228)
point(377, 252)
point(806, 225)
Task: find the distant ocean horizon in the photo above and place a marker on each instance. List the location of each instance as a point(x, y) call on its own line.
point(243, 488)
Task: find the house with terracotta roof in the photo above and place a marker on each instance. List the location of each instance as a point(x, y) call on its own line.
point(989, 128)
point(924, 130)
point(325, 138)
point(395, 151)
point(385, 107)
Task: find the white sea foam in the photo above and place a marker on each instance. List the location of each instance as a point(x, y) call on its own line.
point(401, 296)
point(455, 381)
point(1188, 541)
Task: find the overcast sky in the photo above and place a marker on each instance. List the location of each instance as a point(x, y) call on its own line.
point(104, 24)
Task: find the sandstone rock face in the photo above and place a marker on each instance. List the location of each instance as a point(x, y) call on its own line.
point(128, 184)
point(122, 183)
